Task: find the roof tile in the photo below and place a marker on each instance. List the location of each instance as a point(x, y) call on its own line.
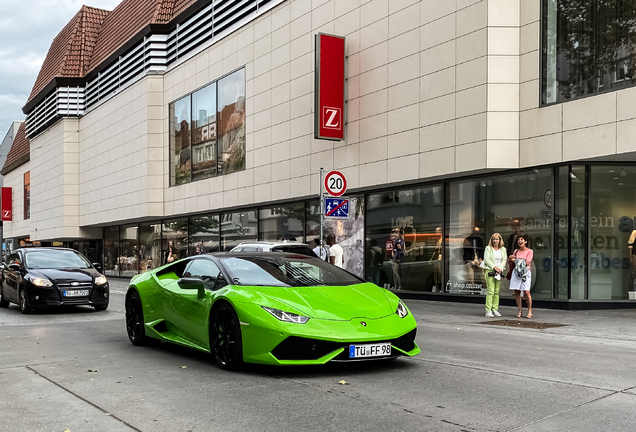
point(19, 150)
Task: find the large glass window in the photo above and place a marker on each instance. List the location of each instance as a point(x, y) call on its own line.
point(349, 233)
point(204, 133)
point(129, 254)
point(231, 121)
point(207, 131)
point(507, 205)
point(111, 251)
point(180, 162)
point(238, 227)
point(612, 223)
point(419, 214)
point(588, 47)
point(149, 246)
point(175, 234)
point(204, 234)
point(282, 222)
point(27, 195)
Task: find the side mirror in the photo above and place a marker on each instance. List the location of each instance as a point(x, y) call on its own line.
point(98, 267)
point(191, 283)
point(15, 267)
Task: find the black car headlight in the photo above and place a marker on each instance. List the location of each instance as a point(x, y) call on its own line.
point(41, 282)
point(402, 311)
point(100, 280)
point(286, 316)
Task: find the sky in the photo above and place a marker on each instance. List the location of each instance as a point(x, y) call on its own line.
point(27, 29)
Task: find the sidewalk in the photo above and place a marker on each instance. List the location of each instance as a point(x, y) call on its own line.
point(615, 324)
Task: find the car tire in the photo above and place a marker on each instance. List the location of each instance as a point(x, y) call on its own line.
point(135, 320)
point(101, 308)
point(3, 302)
point(226, 343)
point(24, 302)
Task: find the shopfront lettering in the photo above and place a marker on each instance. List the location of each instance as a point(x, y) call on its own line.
point(626, 224)
point(597, 261)
point(402, 222)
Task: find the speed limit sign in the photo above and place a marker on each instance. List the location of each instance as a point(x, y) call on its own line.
point(335, 183)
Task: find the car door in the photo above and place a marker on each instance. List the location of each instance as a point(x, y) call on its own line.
point(189, 312)
point(12, 277)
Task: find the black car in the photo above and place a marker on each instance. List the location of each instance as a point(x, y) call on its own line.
point(45, 277)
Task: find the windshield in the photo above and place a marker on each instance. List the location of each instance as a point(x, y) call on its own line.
point(52, 259)
point(290, 271)
point(303, 250)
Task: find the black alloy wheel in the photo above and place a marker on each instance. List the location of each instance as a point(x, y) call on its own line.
point(24, 302)
point(135, 320)
point(3, 302)
point(225, 338)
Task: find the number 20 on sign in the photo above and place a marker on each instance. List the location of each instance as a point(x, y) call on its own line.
point(335, 183)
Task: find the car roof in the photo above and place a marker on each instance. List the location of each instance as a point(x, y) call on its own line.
point(272, 243)
point(46, 248)
point(267, 255)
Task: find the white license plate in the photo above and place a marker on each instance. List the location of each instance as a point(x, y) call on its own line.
point(76, 293)
point(370, 350)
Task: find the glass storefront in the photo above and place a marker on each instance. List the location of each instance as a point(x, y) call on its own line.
point(507, 205)
point(580, 220)
point(204, 234)
point(283, 222)
point(612, 223)
point(174, 232)
point(419, 213)
point(238, 227)
point(111, 251)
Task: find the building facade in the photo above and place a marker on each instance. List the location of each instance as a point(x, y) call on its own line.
point(193, 122)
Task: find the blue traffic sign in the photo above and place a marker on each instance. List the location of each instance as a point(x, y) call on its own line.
point(337, 207)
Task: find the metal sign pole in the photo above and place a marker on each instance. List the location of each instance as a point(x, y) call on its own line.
point(322, 214)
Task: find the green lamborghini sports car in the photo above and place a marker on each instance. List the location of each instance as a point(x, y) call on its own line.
point(270, 308)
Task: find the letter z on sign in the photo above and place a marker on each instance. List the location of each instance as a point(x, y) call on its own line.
point(332, 118)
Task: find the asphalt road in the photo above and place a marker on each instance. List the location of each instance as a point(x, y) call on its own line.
point(76, 370)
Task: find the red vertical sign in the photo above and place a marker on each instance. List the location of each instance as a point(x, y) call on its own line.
point(330, 79)
point(7, 204)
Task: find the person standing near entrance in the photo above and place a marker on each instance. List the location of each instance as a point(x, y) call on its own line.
point(495, 263)
point(521, 278)
point(396, 260)
point(631, 247)
point(336, 254)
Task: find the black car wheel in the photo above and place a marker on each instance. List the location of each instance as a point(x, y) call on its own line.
point(3, 302)
point(135, 320)
point(24, 302)
point(101, 308)
point(225, 338)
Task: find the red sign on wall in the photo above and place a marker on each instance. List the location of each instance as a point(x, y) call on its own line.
point(330, 79)
point(7, 204)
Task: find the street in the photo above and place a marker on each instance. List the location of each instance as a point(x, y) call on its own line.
point(76, 369)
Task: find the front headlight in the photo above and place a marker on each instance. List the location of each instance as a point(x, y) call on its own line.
point(402, 311)
point(100, 280)
point(287, 316)
point(41, 282)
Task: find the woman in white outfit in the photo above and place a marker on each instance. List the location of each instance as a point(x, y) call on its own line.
point(521, 283)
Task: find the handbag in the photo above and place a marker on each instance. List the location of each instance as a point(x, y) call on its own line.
point(482, 264)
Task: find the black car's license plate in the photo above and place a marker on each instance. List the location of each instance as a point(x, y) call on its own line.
point(76, 293)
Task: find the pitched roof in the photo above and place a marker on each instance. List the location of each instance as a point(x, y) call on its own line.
point(94, 35)
point(20, 150)
point(72, 49)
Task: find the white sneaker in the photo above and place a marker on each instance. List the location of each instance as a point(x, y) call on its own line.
point(496, 313)
point(489, 314)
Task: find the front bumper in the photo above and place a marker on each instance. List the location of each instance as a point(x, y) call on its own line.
point(320, 341)
point(44, 297)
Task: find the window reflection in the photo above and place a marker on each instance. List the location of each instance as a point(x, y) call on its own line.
point(111, 251)
point(588, 47)
point(175, 235)
point(282, 222)
point(128, 261)
point(204, 133)
point(419, 214)
point(204, 234)
point(180, 142)
point(231, 122)
point(149, 246)
point(238, 227)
